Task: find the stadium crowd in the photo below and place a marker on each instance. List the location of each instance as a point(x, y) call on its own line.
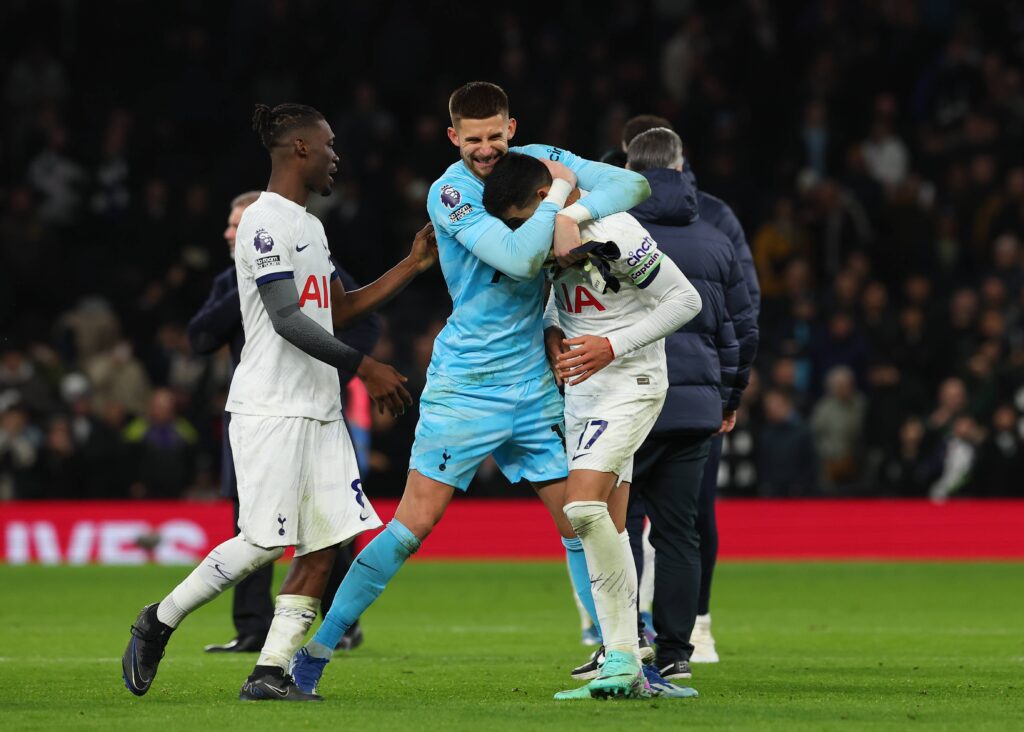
point(873, 151)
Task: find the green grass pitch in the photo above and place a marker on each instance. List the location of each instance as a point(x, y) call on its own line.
point(479, 646)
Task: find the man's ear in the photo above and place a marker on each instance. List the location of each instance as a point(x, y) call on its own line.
point(511, 128)
point(453, 136)
point(300, 147)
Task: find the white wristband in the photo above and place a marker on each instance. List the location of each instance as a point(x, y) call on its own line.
point(559, 191)
point(577, 212)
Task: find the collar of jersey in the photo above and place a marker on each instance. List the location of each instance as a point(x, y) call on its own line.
point(280, 201)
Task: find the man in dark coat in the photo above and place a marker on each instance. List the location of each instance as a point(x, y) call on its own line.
point(709, 363)
point(714, 211)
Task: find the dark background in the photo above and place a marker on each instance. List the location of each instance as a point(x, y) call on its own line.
point(872, 150)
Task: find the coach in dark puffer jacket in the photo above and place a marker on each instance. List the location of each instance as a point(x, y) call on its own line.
point(714, 211)
point(709, 363)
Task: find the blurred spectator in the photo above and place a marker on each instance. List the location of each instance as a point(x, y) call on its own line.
point(999, 461)
point(838, 426)
point(98, 446)
point(776, 243)
point(20, 442)
point(958, 455)
point(162, 450)
point(787, 464)
point(118, 378)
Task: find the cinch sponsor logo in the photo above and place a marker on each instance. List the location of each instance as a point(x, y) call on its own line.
point(638, 254)
point(177, 541)
point(648, 266)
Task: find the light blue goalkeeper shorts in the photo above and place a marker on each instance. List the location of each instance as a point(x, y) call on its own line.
point(521, 425)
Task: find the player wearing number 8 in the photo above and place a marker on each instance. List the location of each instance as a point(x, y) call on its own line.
point(616, 307)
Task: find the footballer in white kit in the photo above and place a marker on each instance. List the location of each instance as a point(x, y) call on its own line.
point(617, 294)
point(298, 481)
point(616, 306)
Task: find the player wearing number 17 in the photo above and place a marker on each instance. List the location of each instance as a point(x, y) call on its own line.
point(616, 309)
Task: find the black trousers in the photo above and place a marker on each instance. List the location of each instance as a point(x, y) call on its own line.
point(668, 473)
point(252, 607)
point(707, 525)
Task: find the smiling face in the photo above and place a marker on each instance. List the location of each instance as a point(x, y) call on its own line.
point(482, 142)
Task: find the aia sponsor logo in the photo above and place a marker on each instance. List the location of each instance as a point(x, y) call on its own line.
point(318, 290)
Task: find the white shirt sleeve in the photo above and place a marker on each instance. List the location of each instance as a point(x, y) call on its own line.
point(678, 302)
point(551, 311)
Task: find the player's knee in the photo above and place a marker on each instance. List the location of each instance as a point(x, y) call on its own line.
point(583, 515)
point(259, 555)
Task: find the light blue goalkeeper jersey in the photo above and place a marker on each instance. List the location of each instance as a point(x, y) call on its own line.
point(494, 275)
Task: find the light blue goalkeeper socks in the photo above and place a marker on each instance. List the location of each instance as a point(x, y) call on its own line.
point(581, 577)
point(369, 574)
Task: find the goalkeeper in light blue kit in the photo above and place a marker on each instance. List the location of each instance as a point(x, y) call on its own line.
point(489, 388)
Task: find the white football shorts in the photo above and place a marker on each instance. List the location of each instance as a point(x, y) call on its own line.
point(603, 432)
point(298, 483)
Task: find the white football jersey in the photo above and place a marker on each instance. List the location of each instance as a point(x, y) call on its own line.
point(583, 309)
point(278, 239)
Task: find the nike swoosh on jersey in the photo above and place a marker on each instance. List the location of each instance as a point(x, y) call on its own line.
point(299, 249)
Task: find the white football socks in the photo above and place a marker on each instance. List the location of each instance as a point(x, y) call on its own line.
point(647, 580)
point(222, 568)
point(293, 614)
point(612, 582)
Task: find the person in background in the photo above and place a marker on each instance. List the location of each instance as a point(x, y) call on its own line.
point(714, 211)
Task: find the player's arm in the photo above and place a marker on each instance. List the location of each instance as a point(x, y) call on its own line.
point(743, 314)
point(382, 381)
point(361, 335)
point(219, 317)
point(677, 303)
point(554, 336)
point(349, 306)
point(616, 190)
point(518, 254)
point(728, 348)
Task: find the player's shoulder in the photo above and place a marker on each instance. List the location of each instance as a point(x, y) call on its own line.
point(455, 195)
point(265, 211)
point(263, 226)
point(548, 152)
point(621, 228)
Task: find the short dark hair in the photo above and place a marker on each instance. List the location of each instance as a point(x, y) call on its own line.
point(477, 100)
point(512, 182)
point(273, 124)
point(640, 124)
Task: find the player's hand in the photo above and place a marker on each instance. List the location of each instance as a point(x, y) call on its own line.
point(560, 170)
point(553, 338)
point(384, 385)
point(567, 238)
point(728, 421)
point(588, 355)
point(424, 248)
